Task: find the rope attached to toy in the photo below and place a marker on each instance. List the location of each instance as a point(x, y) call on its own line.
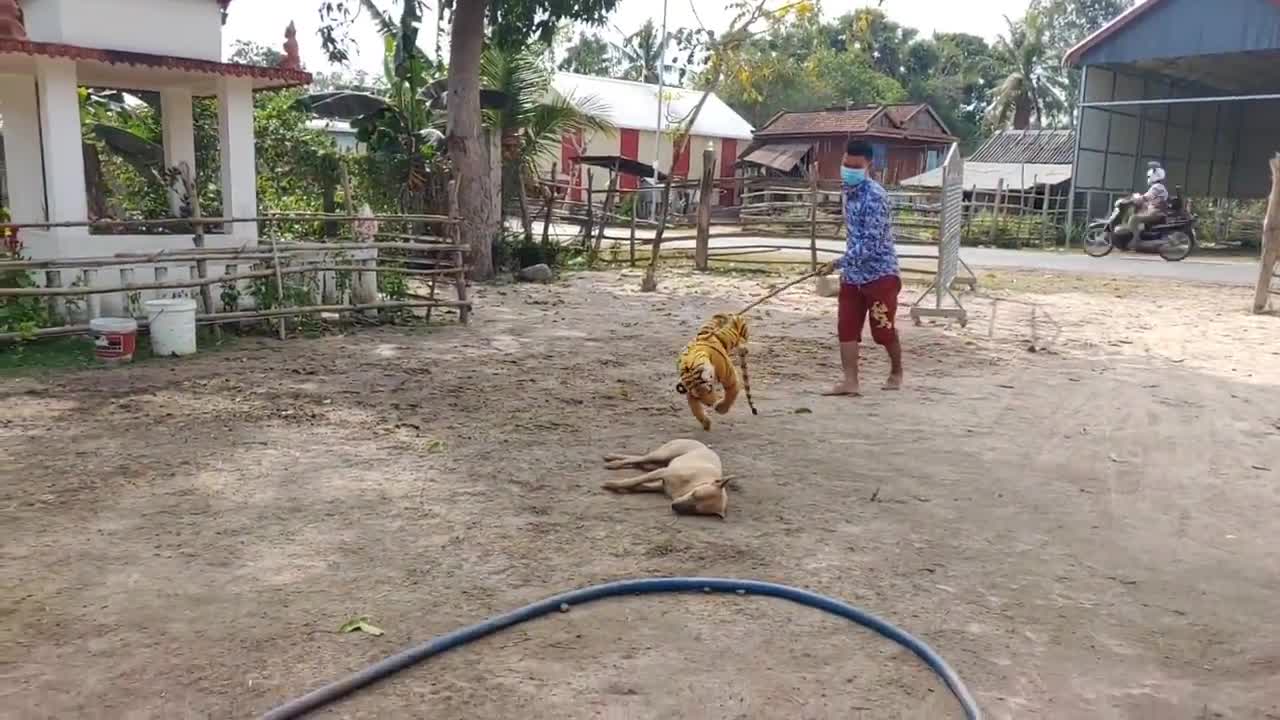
point(779, 290)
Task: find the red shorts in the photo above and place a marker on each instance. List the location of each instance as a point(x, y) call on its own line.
point(878, 300)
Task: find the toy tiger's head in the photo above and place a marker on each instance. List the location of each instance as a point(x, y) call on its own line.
point(699, 381)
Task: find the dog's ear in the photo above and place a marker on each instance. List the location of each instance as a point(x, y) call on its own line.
point(680, 388)
point(724, 481)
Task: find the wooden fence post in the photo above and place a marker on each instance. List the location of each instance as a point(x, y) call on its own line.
point(995, 214)
point(633, 233)
point(202, 266)
point(551, 206)
point(1044, 217)
point(970, 209)
point(590, 224)
point(813, 216)
point(702, 245)
point(455, 235)
point(231, 271)
point(605, 211)
point(1270, 243)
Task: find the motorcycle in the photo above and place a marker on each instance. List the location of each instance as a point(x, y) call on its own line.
point(1174, 239)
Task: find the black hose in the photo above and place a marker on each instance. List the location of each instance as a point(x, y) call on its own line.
point(329, 693)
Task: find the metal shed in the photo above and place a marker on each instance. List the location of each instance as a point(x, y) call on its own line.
point(1192, 84)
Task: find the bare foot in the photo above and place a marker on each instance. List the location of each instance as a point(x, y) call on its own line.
point(894, 382)
point(844, 389)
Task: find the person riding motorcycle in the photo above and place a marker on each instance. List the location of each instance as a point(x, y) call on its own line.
point(1151, 207)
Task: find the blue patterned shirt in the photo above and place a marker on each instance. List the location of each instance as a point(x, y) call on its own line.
point(870, 254)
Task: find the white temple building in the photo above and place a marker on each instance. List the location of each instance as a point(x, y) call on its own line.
point(49, 49)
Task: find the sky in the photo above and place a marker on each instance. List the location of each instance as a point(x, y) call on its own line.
point(264, 22)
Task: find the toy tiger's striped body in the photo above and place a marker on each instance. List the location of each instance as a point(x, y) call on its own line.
point(708, 360)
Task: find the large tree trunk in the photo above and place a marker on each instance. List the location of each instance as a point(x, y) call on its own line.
point(467, 151)
point(1022, 115)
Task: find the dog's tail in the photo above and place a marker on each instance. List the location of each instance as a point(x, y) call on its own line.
point(746, 380)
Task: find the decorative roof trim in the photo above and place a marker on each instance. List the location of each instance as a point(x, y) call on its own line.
point(279, 77)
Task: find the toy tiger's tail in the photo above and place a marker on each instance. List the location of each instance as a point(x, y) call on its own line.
point(746, 379)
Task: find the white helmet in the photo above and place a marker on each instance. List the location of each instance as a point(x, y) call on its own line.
point(1155, 173)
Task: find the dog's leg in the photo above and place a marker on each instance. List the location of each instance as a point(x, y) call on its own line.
point(619, 461)
point(699, 412)
point(640, 483)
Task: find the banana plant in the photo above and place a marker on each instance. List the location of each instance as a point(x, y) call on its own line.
point(532, 118)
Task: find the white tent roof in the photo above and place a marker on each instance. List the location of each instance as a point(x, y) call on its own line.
point(341, 127)
point(634, 105)
point(987, 176)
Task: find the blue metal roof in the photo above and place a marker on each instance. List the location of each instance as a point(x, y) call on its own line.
point(1157, 29)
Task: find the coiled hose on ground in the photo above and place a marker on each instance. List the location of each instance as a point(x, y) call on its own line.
point(329, 693)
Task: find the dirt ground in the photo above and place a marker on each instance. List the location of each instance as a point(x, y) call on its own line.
point(1085, 531)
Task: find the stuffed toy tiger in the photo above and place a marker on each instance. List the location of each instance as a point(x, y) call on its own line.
point(707, 361)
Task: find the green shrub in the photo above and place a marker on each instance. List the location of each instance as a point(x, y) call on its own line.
point(1012, 231)
point(512, 252)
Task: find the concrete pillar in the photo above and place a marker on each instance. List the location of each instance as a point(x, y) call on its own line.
point(235, 134)
point(24, 166)
point(179, 137)
point(62, 143)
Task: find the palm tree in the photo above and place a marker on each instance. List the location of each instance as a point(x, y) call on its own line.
point(641, 54)
point(1029, 89)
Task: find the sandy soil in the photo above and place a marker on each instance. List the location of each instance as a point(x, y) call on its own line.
point(1085, 531)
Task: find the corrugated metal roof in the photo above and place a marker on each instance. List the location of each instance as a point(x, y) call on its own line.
point(779, 156)
point(853, 120)
point(987, 176)
point(1155, 29)
point(634, 105)
point(1053, 147)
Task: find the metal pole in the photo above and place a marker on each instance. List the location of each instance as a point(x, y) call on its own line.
point(1075, 162)
point(657, 140)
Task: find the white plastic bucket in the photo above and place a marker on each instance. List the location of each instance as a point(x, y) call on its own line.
point(173, 326)
point(113, 338)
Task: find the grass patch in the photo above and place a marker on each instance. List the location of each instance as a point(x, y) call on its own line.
point(65, 354)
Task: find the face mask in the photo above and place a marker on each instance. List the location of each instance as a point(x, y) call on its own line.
point(852, 176)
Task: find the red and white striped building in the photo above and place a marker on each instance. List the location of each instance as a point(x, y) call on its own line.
point(632, 108)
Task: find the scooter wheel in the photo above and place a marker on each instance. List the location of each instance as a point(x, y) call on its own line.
point(1097, 243)
point(1177, 246)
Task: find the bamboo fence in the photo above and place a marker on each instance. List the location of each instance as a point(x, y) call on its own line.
point(783, 209)
point(794, 208)
point(333, 274)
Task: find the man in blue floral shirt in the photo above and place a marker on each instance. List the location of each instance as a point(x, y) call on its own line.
point(869, 279)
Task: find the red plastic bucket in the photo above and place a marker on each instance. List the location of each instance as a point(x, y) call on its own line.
point(114, 339)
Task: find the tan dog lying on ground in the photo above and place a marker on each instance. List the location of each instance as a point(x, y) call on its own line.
point(686, 470)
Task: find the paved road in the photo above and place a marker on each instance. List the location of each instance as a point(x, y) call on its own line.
point(1118, 264)
point(1228, 271)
